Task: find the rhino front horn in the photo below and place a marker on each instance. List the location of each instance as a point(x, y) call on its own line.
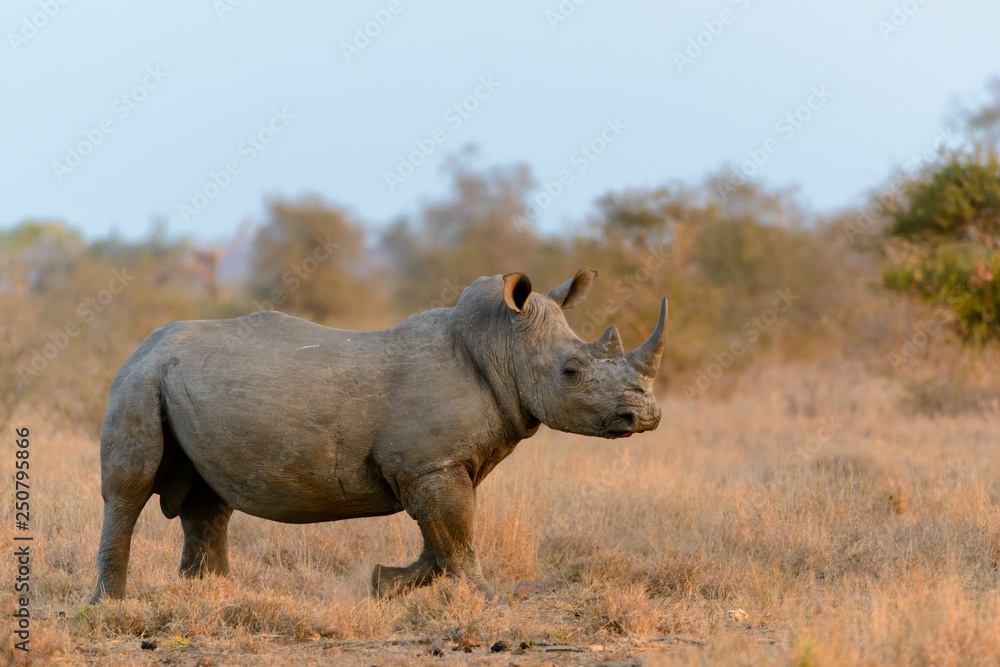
point(646, 357)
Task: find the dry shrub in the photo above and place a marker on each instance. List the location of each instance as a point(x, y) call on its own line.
point(920, 622)
point(46, 643)
point(222, 608)
point(505, 534)
point(623, 611)
point(564, 554)
point(131, 618)
point(366, 619)
point(675, 575)
point(613, 566)
point(945, 377)
point(934, 394)
point(452, 607)
point(259, 615)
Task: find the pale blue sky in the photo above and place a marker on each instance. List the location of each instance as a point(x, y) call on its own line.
point(223, 78)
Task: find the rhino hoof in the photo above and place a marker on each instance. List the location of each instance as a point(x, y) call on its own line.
point(388, 582)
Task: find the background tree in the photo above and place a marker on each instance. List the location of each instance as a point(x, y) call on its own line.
point(476, 230)
point(309, 260)
point(957, 201)
point(947, 231)
point(983, 123)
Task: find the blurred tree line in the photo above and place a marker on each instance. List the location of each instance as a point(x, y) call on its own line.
point(73, 310)
point(747, 270)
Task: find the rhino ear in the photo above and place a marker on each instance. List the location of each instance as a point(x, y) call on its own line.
point(575, 290)
point(516, 290)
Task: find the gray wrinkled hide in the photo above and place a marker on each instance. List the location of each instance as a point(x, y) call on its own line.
point(291, 421)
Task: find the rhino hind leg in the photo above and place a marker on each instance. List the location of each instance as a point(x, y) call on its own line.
point(443, 503)
point(131, 449)
point(120, 515)
point(205, 519)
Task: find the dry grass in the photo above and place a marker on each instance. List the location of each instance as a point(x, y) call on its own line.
point(877, 545)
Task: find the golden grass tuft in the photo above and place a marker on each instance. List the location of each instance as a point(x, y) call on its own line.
point(623, 611)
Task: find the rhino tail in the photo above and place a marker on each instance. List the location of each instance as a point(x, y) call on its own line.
point(176, 475)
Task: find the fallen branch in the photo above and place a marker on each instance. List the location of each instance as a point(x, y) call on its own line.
point(677, 638)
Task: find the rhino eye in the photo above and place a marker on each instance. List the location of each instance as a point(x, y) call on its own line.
point(571, 373)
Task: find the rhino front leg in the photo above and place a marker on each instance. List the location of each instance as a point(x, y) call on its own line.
point(205, 519)
point(443, 503)
point(391, 581)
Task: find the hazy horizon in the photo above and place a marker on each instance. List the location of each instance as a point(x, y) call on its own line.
point(170, 99)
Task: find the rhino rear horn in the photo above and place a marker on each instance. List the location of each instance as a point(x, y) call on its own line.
point(574, 290)
point(646, 358)
point(608, 345)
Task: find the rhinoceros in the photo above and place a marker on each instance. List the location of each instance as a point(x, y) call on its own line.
point(291, 421)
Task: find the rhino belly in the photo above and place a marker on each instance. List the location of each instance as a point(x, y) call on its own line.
point(293, 494)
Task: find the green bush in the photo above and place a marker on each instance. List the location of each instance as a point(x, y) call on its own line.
point(960, 278)
point(951, 216)
point(960, 200)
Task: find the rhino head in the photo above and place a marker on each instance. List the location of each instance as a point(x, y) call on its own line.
point(568, 384)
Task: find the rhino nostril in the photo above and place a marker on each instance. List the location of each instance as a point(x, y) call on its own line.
point(628, 418)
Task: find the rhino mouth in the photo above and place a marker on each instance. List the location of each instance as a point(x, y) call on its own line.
point(622, 425)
